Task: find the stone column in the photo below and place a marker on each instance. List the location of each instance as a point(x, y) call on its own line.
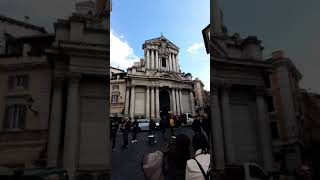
point(157, 60)
point(55, 123)
point(126, 110)
point(177, 101)
point(192, 102)
point(148, 102)
point(71, 140)
point(174, 104)
point(157, 103)
point(148, 59)
point(174, 62)
point(216, 126)
point(181, 101)
point(264, 129)
point(170, 62)
point(229, 144)
point(152, 102)
point(152, 59)
point(132, 104)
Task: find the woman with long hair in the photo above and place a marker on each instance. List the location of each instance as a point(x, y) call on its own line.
point(198, 167)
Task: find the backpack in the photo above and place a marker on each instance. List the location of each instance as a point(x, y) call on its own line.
point(205, 175)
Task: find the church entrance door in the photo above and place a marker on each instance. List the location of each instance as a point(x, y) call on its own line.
point(164, 99)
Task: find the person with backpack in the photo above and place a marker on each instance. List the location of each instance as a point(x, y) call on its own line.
point(198, 168)
point(135, 130)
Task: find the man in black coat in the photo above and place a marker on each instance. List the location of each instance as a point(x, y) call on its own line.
point(196, 126)
point(135, 130)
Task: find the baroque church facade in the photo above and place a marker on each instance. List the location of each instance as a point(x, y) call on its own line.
point(156, 85)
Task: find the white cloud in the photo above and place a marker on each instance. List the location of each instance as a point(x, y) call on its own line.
point(195, 47)
point(121, 54)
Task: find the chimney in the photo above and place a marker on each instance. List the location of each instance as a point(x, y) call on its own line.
point(279, 54)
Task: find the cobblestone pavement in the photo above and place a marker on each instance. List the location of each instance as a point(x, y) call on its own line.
point(126, 163)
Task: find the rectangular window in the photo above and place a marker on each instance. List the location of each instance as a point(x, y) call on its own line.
point(115, 87)
point(18, 81)
point(163, 62)
point(15, 116)
point(114, 98)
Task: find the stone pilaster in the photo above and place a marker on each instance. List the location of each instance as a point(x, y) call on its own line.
point(72, 128)
point(157, 103)
point(152, 103)
point(157, 60)
point(170, 62)
point(177, 101)
point(174, 63)
point(181, 101)
point(216, 126)
point(147, 101)
point(126, 109)
point(192, 102)
point(148, 59)
point(174, 104)
point(132, 100)
point(229, 144)
point(152, 59)
point(55, 123)
point(264, 129)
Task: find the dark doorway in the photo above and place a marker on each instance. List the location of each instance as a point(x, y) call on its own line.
point(164, 98)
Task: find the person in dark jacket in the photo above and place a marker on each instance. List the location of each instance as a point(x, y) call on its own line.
point(114, 129)
point(126, 130)
point(163, 125)
point(196, 126)
point(152, 126)
point(175, 158)
point(135, 130)
point(206, 125)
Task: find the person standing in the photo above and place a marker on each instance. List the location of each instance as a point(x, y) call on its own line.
point(172, 123)
point(152, 127)
point(206, 124)
point(126, 129)
point(135, 130)
point(196, 126)
point(163, 126)
point(114, 130)
point(198, 168)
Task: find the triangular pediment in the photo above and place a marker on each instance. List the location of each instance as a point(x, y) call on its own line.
point(161, 40)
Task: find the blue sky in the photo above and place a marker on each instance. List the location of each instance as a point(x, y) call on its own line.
point(290, 25)
point(181, 21)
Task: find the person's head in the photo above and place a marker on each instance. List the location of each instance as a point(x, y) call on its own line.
point(179, 148)
point(199, 142)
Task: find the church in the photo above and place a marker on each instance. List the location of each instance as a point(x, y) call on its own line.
point(156, 85)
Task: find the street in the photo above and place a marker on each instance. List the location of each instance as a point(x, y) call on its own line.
point(126, 163)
